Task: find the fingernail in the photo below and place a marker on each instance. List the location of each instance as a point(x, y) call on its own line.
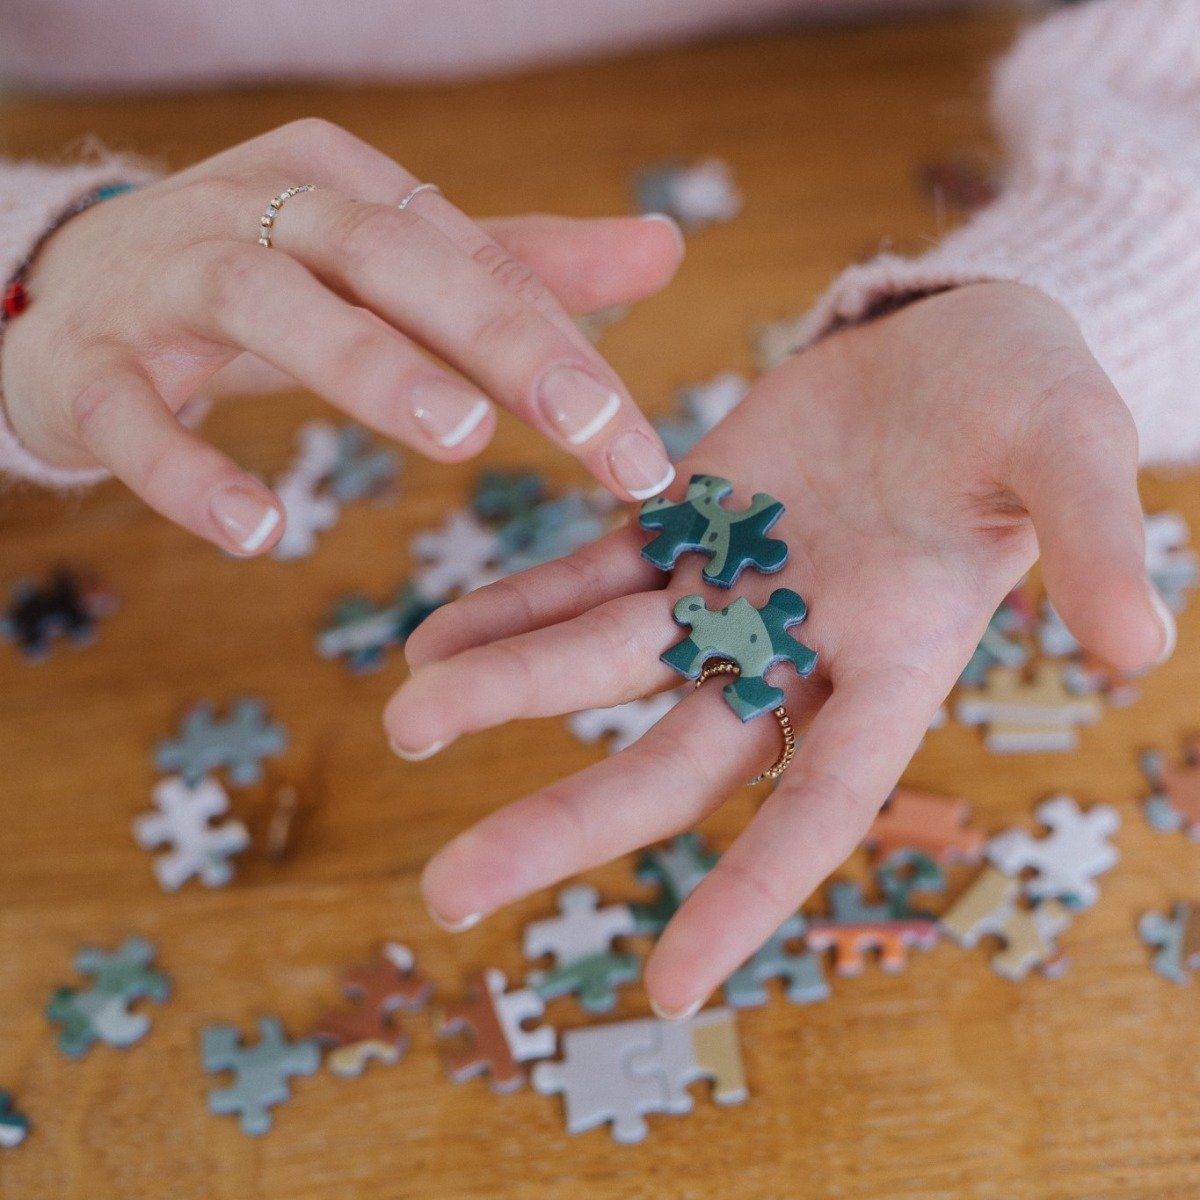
point(676, 1014)
point(243, 515)
point(416, 755)
point(459, 926)
point(577, 405)
point(666, 219)
point(1170, 629)
point(447, 412)
point(641, 466)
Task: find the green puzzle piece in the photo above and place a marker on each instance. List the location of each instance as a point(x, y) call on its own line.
point(593, 979)
point(753, 638)
point(734, 540)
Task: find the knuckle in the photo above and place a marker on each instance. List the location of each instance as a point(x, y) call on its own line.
point(227, 275)
point(361, 231)
point(511, 273)
point(504, 326)
point(92, 403)
point(763, 888)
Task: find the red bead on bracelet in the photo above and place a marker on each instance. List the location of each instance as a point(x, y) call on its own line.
point(16, 298)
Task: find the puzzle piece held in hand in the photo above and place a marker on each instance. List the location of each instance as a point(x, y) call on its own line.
point(1035, 714)
point(1176, 938)
point(361, 631)
point(101, 1012)
point(623, 1071)
point(677, 870)
point(360, 469)
point(459, 557)
point(801, 971)
point(368, 1029)
point(733, 539)
point(13, 1125)
point(1067, 859)
point(936, 825)
point(580, 939)
point(492, 1021)
point(695, 194)
point(854, 927)
point(261, 1072)
point(1175, 801)
point(239, 743)
point(183, 819)
point(753, 638)
point(622, 724)
point(62, 607)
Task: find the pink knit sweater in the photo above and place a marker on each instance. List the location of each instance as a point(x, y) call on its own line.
point(1098, 105)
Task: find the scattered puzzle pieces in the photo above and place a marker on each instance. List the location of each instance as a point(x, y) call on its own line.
point(694, 194)
point(1001, 644)
point(238, 744)
point(13, 1125)
point(753, 638)
point(801, 971)
point(261, 1072)
point(1064, 862)
point(1175, 801)
point(1038, 713)
point(361, 631)
point(905, 873)
point(733, 539)
point(60, 608)
point(198, 847)
point(459, 557)
point(580, 939)
point(368, 1029)
point(622, 1072)
point(622, 724)
point(491, 1021)
point(676, 869)
point(1177, 940)
point(854, 928)
point(101, 1012)
point(935, 825)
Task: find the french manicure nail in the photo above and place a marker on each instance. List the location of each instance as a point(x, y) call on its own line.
point(459, 926)
point(667, 219)
point(245, 518)
point(1170, 629)
point(577, 405)
point(641, 467)
point(446, 411)
point(416, 755)
point(676, 1014)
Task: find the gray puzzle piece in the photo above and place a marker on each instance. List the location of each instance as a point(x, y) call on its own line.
point(239, 743)
point(1174, 938)
point(801, 971)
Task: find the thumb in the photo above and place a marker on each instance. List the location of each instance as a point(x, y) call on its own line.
point(1078, 481)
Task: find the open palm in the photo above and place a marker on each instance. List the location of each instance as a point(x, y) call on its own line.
point(922, 459)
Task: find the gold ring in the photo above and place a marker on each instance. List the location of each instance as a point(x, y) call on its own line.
point(416, 191)
point(781, 764)
point(267, 224)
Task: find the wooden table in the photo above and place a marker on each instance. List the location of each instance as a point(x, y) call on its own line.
point(943, 1082)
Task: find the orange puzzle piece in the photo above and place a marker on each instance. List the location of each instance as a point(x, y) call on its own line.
point(850, 943)
point(935, 825)
point(1177, 786)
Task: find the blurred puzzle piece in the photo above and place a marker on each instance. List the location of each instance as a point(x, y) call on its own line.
point(239, 743)
point(62, 607)
point(1177, 940)
point(800, 970)
point(1175, 801)
point(938, 826)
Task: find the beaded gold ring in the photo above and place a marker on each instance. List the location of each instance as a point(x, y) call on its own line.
point(725, 667)
point(267, 224)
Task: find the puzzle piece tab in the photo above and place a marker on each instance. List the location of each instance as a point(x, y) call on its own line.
point(800, 970)
point(239, 743)
point(261, 1072)
point(676, 869)
point(184, 820)
point(61, 608)
point(622, 724)
point(101, 1012)
point(755, 639)
point(733, 540)
point(936, 825)
point(491, 1021)
point(1176, 938)
point(14, 1126)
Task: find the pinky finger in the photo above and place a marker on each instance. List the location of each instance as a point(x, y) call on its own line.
point(122, 420)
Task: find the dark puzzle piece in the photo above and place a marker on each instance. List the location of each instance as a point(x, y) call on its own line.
point(904, 873)
point(677, 870)
point(753, 638)
point(362, 469)
point(13, 1125)
point(239, 743)
point(507, 495)
point(733, 540)
point(360, 631)
point(60, 608)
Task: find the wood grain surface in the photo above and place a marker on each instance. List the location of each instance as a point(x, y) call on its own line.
point(945, 1081)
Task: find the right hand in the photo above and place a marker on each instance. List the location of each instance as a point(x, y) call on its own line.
point(139, 301)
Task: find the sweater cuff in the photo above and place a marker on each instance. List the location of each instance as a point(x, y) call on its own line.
point(33, 196)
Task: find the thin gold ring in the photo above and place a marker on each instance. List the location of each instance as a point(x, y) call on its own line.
point(416, 191)
point(781, 764)
point(267, 224)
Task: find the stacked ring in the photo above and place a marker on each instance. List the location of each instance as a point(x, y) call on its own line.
point(267, 224)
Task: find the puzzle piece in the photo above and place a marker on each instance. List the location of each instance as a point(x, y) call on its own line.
point(1034, 714)
point(459, 557)
point(368, 1028)
point(361, 631)
point(1175, 802)
point(701, 408)
point(904, 873)
point(1001, 644)
point(492, 1021)
point(261, 1072)
point(307, 509)
point(580, 939)
point(855, 927)
point(695, 194)
point(753, 638)
point(1176, 938)
point(1054, 639)
point(622, 724)
point(624, 1071)
point(239, 743)
point(549, 531)
point(991, 906)
point(506, 496)
point(936, 825)
point(1171, 565)
point(677, 869)
point(13, 1125)
point(198, 847)
point(62, 607)
point(101, 1012)
point(733, 539)
point(360, 469)
point(801, 971)
point(1066, 860)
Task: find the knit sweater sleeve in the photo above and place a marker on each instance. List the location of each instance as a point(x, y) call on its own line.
point(1099, 110)
point(32, 196)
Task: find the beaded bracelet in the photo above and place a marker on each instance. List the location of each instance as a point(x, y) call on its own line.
point(16, 297)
